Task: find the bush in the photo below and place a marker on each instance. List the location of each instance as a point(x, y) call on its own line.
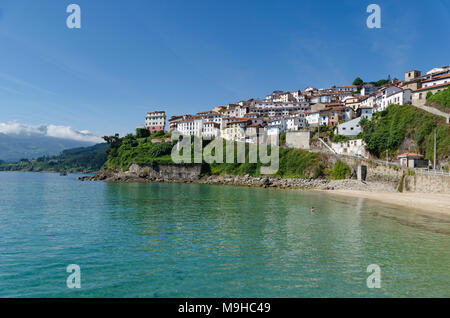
point(161, 149)
point(442, 98)
point(157, 134)
point(142, 133)
point(340, 171)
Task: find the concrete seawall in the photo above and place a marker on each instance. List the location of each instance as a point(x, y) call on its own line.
point(427, 183)
point(416, 182)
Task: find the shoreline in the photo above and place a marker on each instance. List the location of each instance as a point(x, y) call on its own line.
point(437, 204)
point(383, 192)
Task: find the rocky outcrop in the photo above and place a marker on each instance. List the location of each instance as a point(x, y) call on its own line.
point(192, 174)
point(294, 183)
point(156, 173)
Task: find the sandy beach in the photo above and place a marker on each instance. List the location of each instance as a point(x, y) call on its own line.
point(433, 203)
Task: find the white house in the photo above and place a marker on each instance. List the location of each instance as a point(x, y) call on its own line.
point(284, 98)
point(276, 126)
point(295, 123)
point(312, 117)
point(298, 96)
point(399, 97)
point(381, 99)
point(211, 130)
point(346, 88)
point(438, 80)
point(191, 126)
point(368, 101)
point(350, 128)
point(321, 99)
point(323, 117)
point(368, 89)
point(437, 71)
point(350, 148)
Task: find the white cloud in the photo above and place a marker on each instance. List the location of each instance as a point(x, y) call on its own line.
point(63, 132)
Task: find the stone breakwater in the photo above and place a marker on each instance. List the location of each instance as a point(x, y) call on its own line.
point(192, 174)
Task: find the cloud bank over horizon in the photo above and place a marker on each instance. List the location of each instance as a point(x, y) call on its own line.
point(61, 132)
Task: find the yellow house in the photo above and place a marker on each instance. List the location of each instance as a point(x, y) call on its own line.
point(236, 130)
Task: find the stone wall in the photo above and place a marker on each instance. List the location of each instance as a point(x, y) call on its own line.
point(427, 183)
point(392, 175)
point(375, 172)
point(298, 139)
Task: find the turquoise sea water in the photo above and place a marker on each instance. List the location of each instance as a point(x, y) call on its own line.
point(178, 240)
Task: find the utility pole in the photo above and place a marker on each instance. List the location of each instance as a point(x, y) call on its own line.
point(434, 165)
point(387, 157)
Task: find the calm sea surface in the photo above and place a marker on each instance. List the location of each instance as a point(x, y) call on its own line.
point(177, 240)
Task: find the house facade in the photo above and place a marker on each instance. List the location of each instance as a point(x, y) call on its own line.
point(350, 148)
point(401, 97)
point(350, 128)
point(155, 121)
point(419, 97)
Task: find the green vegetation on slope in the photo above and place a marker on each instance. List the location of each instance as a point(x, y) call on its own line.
point(340, 171)
point(131, 149)
point(293, 163)
point(441, 98)
point(87, 159)
point(388, 129)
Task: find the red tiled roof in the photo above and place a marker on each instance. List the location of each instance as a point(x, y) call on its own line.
point(239, 121)
point(437, 78)
point(409, 154)
point(432, 87)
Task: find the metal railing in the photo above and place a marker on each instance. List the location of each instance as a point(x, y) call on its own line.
point(432, 172)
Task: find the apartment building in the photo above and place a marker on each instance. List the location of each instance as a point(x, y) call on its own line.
point(155, 121)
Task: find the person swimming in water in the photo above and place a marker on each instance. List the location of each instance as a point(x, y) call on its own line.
point(312, 209)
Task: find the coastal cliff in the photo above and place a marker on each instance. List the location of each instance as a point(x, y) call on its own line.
point(149, 173)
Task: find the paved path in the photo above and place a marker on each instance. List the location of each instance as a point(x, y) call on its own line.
point(434, 111)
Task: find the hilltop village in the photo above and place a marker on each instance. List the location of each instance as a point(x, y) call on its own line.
point(339, 107)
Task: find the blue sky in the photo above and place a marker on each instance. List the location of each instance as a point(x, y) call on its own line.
point(131, 57)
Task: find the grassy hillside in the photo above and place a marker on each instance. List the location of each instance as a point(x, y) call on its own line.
point(131, 149)
point(87, 159)
point(293, 163)
point(389, 129)
point(442, 99)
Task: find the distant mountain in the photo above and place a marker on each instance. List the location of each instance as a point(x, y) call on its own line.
point(14, 147)
point(86, 159)
point(23, 141)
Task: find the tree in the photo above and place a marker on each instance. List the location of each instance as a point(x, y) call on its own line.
point(358, 82)
point(142, 133)
point(114, 142)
